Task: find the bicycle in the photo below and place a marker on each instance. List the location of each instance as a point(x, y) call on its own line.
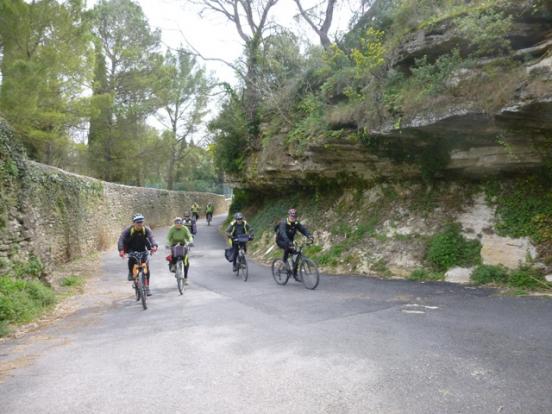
point(180, 253)
point(139, 272)
point(241, 261)
point(299, 266)
point(209, 218)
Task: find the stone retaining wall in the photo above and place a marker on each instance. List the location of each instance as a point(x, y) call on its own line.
point(58, 216)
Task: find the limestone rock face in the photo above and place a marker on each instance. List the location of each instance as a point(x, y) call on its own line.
point(459, 275)
point(508, 252)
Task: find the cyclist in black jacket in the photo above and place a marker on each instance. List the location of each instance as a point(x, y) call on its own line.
point(286, 230)
point(137, 238)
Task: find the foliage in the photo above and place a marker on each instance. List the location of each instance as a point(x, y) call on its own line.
point(487, 31)
point(425, 275)
point(72, 281)
point(22, 300)
point(45, 67)
point(525, 277)
point(229, 130)
point(485, 274)
point(524, 207)
point(449, 248)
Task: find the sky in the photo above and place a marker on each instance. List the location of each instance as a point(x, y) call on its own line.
point(215, 37)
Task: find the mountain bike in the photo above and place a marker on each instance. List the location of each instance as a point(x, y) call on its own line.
point(299, 266)
point(209, 217)
point(241, 262)
point(182, 264)
point(139, 272)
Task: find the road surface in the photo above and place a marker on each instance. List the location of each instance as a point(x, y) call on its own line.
point(354, 345)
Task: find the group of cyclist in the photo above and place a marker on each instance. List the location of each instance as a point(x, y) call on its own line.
point(139, 238)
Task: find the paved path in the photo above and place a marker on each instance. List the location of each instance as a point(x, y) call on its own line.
point(354, 345)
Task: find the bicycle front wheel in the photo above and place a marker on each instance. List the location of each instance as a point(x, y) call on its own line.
point(309, 273)
point(137, 290)
point(143, 293)
point(243, 270)
point(280, 272)
point(180, 276)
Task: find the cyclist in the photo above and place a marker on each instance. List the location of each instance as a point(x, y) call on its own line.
point(179, 233)
point(236, 228)
point(190, 222)
point(195, 211)
point(285, 233)
point(137, 238)
point(209, 210)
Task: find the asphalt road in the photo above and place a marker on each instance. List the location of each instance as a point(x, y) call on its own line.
point(354, 345)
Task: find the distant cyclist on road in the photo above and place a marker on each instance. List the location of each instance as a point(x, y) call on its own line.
point(195, 211)
point(285, 233)
point(236, 228)
point(209, 210)
point(179, 233)
point(137, 238)
point(190, 222)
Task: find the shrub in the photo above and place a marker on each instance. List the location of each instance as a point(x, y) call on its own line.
point(22, 300)
point(423, 274)
point(527, 278)
point(72, 281)
point(449, 248)
point(484, 274)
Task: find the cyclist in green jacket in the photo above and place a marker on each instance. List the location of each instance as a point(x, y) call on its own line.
point(195, 211)
point(209, 210)
point(179, 233)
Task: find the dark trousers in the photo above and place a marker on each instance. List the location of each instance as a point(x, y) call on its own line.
point(287, 248)
point(235, 247)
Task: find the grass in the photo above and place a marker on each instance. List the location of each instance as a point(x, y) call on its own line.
point(449, 248)
point(426, 275)
point(523, 279)
point(22, 300)
point(72, 281)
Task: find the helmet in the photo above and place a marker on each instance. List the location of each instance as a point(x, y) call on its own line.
point(186, 214)
point(178, 220)
point(238, 216)
point(138, 218)
point(292, 213)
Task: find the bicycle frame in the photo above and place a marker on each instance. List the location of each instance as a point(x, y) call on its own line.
point(142, 262)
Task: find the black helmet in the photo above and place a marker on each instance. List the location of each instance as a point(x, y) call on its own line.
point(238, 216)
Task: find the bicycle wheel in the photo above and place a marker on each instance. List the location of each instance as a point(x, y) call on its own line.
point(137, 290)
point(143, 294)
point(242, 268)
point(180, 276)
point(280, 272)
point(309, 273)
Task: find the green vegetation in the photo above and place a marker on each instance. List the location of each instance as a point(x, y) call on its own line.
point(486, 274)
point(72, 281)
point(23, 296)
point(426, 275)
point(53, 52)
point(520, 280)
point(449, 248)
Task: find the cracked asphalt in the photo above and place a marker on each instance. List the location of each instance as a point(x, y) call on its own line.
point(354, 345)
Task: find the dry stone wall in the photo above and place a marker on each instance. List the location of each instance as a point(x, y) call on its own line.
point(58, 216)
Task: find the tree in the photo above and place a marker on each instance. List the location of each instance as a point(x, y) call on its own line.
point(319, 22)
point(45, 60)
point(125, 86)
point(184, 98)
point(251, 19)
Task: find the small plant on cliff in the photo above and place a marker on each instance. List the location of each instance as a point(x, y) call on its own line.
point(449, 248)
